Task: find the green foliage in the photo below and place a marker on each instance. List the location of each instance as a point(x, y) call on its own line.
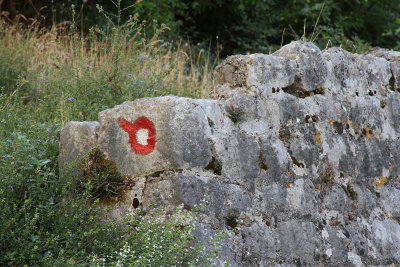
point(263, 25)
point(100, 178)
point(38, 227)
point(240, 26)
point(162, 240)
point(210, 122)
point(234, 113)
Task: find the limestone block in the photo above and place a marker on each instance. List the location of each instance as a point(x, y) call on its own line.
point(76, 140)
point(386, 236)
point(337, 199)
point(394, 81)
point(335, 250)
point(174, 130)
point(356, 75)
point(254, 72)
point(389, 55)
point(271, 73)
point(232, 71)
point(225, 202)
point(394, 58)
point(312, 69)
point(390, 199)
point(274, 159)
point(271, 199)
point(365, 199)
point(226, 253)
point(260, 241)
point(239, 154)
point(291, 234)
point(392, 112)
point(302, 197)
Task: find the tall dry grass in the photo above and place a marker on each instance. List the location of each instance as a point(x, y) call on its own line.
point(100, 70)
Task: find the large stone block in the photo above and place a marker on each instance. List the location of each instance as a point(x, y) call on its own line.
point(76, 140)
point(337, 199)
point(312, 69)
point(386, 237)
point(155, 134)
point(270, 73)
point(240, 158)
point(293, 233)
point(302, 198)
point(356, 75)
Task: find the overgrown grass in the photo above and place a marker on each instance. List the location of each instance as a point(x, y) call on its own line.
point(67, 77)
point(49, 77)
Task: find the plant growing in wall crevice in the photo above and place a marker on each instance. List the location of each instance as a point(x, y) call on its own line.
point(234, 113)
point(100, 178)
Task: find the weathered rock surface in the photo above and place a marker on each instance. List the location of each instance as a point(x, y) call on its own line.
point(303, 145)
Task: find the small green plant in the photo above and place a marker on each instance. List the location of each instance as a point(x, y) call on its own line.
point(210, 122)
point(234, 113)
point(162, 240)
point(215, 165)
point(100, 177)
point(350, 192)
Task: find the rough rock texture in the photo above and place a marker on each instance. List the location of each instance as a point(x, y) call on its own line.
point(303, 145)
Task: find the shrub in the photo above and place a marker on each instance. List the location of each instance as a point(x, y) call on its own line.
point(162, 240)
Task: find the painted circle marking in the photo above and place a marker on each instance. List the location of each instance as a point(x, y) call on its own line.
point(142, 135)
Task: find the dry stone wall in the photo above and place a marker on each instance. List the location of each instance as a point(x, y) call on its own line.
point(303, 144)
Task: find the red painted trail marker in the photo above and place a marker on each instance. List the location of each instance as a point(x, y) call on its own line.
point(132, 129)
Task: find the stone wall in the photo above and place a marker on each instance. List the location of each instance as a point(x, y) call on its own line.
point(303, 144)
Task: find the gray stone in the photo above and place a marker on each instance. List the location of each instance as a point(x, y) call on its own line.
point(337, 199)
point(365, 200)
point(358, 237)
point(76, 140)
point(389, 55)
point(271, 199)
point(390, 199)
point(336, 247)
point(259, 243)
point(240, 158)
point(181, 135)
point(232, 71)
point(386, 236)
point(297, 240)
point(302, 197)
point(346, 70)
point(312, 67)
point(274, 159)
point(270, 73)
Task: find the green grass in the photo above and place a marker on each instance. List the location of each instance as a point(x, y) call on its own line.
point(53, 76)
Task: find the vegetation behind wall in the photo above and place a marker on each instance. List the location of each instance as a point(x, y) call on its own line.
point(239, 26)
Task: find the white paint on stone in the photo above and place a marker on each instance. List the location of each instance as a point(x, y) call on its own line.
point(141, 136)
